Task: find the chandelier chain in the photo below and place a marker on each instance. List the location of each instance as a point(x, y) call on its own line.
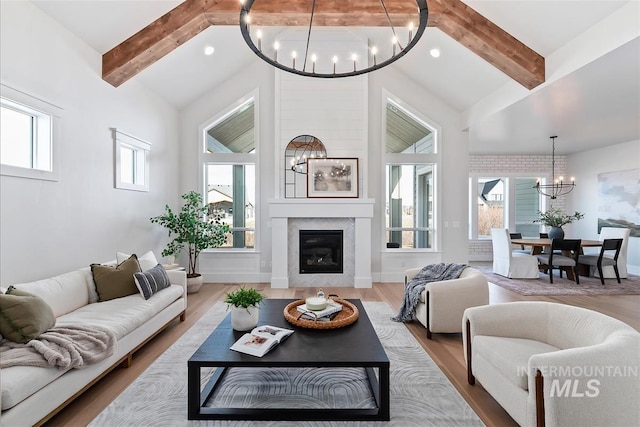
point(306, 50)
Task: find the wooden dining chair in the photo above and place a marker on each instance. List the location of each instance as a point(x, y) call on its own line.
point(553, 259)
point(609, 246)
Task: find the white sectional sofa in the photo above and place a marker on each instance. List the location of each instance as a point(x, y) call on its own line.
point(31, 395)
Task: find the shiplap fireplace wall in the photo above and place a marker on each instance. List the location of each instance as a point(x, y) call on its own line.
point(336, 112)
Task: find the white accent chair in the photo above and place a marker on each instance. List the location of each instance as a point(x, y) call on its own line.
point(615, 233)
point(509, 264)
point(550, 364)
point(442, 303)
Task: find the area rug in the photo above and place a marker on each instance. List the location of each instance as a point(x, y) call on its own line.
point(420, 393)
point(564, 286)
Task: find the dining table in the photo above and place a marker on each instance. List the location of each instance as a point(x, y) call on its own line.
point(538, 245)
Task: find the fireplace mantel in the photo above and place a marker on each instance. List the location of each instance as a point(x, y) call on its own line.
point(281, 210)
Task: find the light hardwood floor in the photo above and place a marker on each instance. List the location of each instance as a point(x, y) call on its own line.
point(444, 349)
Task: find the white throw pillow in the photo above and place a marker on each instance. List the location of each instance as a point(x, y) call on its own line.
point(146, 261)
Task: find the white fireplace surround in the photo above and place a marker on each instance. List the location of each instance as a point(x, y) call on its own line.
point(281, 211)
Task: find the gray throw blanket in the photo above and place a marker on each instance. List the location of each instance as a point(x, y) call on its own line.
point(62, 346)
point(428, 274)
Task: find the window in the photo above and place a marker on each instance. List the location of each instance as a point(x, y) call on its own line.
point(29, 136)
point(131, 162)
point(503, 202)
point(229, 147)
point(409, 179)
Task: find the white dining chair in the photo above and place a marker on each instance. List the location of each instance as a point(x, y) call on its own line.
point(615, 233)
point(509, 264)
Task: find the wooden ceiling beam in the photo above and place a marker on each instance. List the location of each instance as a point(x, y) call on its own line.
point(193, 16)
point(490, 42)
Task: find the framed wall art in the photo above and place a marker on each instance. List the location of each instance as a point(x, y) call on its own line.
point(332, 177)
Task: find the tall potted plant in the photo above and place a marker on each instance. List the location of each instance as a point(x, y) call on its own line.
point(556, 219)
point(192, 230)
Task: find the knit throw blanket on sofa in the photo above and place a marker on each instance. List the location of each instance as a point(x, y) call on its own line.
point(67, 346)
point(428, 274)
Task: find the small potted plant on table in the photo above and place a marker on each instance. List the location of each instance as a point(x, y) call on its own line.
point(244, 304)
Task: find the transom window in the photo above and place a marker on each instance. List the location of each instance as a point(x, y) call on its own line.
point(131, 162)
point(28, 136)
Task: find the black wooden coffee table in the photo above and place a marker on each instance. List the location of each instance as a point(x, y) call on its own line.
point(356, 345)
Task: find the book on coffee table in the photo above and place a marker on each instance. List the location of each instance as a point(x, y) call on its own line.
point(321, 315)
point(260, 340)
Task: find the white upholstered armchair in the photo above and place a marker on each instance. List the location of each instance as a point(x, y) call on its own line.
point(442, 303)
point(551, 364)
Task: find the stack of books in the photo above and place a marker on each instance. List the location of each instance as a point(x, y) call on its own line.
point(324, 315)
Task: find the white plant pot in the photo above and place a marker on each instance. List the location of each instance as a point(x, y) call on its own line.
point(244, 319)
point(171, 259)
point(194, 283)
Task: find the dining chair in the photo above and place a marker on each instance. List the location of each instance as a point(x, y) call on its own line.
point(608, 247)
point(522, 249)
point(553, 259)
point(507, 263)
point(616, 233)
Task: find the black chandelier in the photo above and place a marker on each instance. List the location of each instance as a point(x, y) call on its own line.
point(557, 187)
point(300, 56)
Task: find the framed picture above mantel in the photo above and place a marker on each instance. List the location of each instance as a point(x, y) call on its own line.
point(332, 177)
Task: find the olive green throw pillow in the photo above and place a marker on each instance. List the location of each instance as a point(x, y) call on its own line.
point(24, 316)
point(115, 282)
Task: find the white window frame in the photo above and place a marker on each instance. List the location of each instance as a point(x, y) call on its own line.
point(411, 159)
point(207, 159)
point(46, 138)
point(509, 200)
point(123, 141)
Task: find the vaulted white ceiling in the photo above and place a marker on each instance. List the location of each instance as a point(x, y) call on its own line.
point(591, 97)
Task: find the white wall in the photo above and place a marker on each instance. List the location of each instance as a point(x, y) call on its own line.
point(586, 166)
point(48, 227)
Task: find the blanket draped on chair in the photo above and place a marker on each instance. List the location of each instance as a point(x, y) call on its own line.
point(69, 346)
point(415, 286)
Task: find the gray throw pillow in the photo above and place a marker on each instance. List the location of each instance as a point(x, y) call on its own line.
point(152, 281)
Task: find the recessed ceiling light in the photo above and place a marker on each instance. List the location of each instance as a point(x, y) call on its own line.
point(435, 52)
point(208, 50)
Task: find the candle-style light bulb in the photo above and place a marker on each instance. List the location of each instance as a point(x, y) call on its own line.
point(276, 46)
point(293, 57)
point(335, 61)
point(394, 42)
point(374, 50)
point(410, 32)
point(313, 62)
point(353, 58)
point(259, 36)
point(247, 19)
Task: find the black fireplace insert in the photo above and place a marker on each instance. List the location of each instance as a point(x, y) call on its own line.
point(321, 251)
